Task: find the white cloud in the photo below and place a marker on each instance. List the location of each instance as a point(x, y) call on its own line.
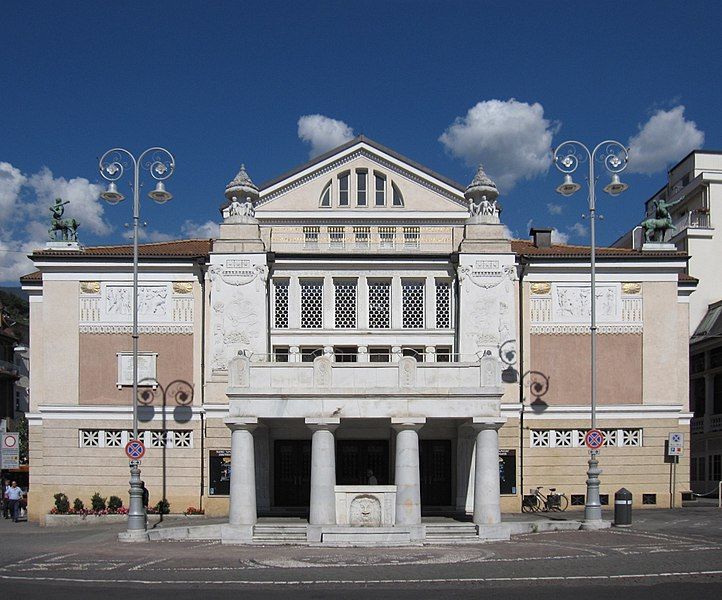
point(148, 235)
point(578, 229)
point(559, 237)
point(665, 138)
point(323, 133)
point(209, 229)
point(511, 138)
point(554, 209)
point(11, 180)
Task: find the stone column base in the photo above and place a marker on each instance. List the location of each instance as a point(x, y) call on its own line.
point(140, 535)
point(594, 525)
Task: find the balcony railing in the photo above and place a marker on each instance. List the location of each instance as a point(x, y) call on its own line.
point(696, 425)
point(693, 219)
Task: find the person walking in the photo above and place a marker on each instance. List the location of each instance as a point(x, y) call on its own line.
point(14, 494)
point(6, 502)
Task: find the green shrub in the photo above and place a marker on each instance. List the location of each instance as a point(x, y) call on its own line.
point(97, 502)
point(163, 507)
point(61, 503)
point(78, 505)
point(114, 503)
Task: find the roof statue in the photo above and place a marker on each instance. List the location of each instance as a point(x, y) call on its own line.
point(656, 227)
point(242, 195)
point(481, 194)
point(241, 186)
point(62, 230)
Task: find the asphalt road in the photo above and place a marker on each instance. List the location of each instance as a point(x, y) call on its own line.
point(667, 554)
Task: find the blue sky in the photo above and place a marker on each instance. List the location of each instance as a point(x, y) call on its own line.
point(446, 83)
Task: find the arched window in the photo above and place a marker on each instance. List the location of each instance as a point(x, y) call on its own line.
point(398, 199)
point(326, 196)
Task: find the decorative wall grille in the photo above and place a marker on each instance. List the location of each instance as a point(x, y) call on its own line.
point(118, 438)
point(362, 236)
point(280, 318)
point(443, 304)
point(387, 237)
point(336, 238)
point(345, 304)
point(412, 237)
point(574, 438)
point(312, 304)
point(413, 304)
point(379, 304)
point(310, 236)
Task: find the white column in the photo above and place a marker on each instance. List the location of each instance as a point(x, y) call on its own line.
point(487, 510)
point(243, 471)
point(396, 303)
point(407, 473)
point(323, 471)
point(294, 303)
point(430, 303)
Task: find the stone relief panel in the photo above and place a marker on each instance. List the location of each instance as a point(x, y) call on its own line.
point(365, 511)
point(487, 305)
point(238, 307)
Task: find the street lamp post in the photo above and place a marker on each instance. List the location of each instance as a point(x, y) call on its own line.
point(613, 156)
point(160, 163)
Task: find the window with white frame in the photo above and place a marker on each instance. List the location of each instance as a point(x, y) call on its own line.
point(412, 300)
point(574, 438)
point(362, 236)
point(387, 237)
point(280, 303)
point(412, 237)
point(443, 304)
point(379, 304)
point(311, 303)
point(310, 236)
point(343, 189)
point(380, 189)
point(361, 185)
point(336, 238)
point(118, 438)
point(345, 303)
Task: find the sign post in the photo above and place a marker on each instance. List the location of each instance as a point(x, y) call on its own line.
point(675, 447)
point(10, 450)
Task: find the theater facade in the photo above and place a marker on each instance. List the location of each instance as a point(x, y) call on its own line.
point(365, 346)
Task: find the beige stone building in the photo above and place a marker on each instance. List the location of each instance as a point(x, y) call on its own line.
point(362, 339)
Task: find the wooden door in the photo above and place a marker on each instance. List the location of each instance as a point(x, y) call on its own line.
point(435, 459)
point(292, 473)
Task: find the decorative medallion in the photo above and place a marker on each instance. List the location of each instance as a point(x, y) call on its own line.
point(90, 287)
point(182, 287)
point(541, 288)
point(630, 288)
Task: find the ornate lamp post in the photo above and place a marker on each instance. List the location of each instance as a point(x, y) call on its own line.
point(613, 156)
point(160, 163)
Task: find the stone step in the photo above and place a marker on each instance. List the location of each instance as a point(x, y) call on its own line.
point(451, 532)
point(279, 534)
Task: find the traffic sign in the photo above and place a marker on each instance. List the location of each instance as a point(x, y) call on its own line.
point(675, 444)
point(10, 450)
point(134, 449)
point(594, 439)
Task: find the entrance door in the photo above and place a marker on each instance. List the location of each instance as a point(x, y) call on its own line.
point(355, 458)
point(435, 459)
point(292, 473)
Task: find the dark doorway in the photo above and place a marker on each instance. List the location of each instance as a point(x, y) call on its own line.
point(292, 473)
point(435, 459)
point(355, 457)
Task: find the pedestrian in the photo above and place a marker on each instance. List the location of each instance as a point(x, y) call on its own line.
point(146, 495)
point(6, 502)
point(14, 494)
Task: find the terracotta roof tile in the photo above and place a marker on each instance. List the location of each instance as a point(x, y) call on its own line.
point(32, 277)
point(687, 278)
point(527, 247)
point(177, 248)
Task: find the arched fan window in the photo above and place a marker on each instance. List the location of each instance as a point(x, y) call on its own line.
point(397, 198)
point(326, 196)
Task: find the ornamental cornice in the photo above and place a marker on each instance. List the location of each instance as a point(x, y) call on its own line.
point(568, 329)
point(361, 153)
point(106, 328)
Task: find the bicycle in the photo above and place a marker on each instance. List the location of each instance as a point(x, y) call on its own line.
point(536, 501)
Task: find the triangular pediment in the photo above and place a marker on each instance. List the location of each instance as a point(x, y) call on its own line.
point(361, 179)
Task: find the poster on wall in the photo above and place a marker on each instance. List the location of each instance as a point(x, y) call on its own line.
point(219, 481)
point(507, 471)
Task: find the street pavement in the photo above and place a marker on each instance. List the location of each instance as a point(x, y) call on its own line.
point(666, 554)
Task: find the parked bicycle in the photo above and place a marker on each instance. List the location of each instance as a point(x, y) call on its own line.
point(536, 501)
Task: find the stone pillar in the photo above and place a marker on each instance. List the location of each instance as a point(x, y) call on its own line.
point(407, 473)
point(487, 510)
point(323, 471)
point(243, 471)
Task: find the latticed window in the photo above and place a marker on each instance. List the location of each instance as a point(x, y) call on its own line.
point(413, 304)
point(114, 438)
point(387, 237)
point(565, 438)
point(345, 304)
point(610, 437)
point(336, 237)
point(362, 236)
point(158, 439)
point(89, 438)
point(412, 235)
point(182, 439)
point(312, 303)
point(280, 317)
point(443, 304)
point(540, 438)
point(574, 438)
point(310, 236)
point(631, 437)
point(379, 304)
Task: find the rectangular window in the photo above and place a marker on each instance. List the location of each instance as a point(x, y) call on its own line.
point(219, 478)
point(312, 303)
point(343, 189)
point(379, 355)
point(281, 354)
point(696, 363)
point(577, 500)
point(345, 354)
point(412, 304)
point(387, 237)
point(697, 396)
point(716, 467)
point(717, 399)
point(443, 304)
point(310, 236)
point(443, 354)
point(280, 303)
point(336, 238)
point(362, 237)
point(412, 237)
point(361, 179)
point(574, 438)
point(701, 471)
point(649, 498)
point(379, 304)
point(380, 189)
point(715, 358)
point(345, 304)
point(310, 353)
